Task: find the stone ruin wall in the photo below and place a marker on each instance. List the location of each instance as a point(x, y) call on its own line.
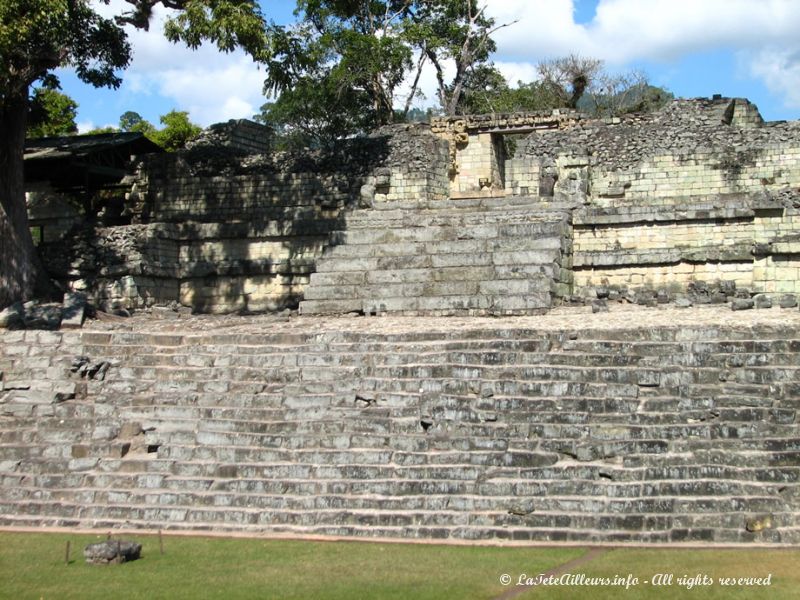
point(661, 434)
point(222, 229)
point(702, 190)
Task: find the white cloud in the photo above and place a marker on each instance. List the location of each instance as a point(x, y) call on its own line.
point(517, 71)
point(84, 126)
point(666, 29)
point(542, 28)
point(213, 93)
point(211, 85)
point(763, 32)
point(626, 30)
point(779, 69)
point(214, 86)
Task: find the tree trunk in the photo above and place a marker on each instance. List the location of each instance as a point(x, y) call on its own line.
point(18, 257)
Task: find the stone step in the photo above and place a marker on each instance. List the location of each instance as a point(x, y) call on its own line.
point(664, 434)
point(464, 305)
point(438, 275)
point(493, 352)
point(367, 229)
point(469, 509)
point(578, 518)
point(497, 208)
point(381, 293)
point(541, 249)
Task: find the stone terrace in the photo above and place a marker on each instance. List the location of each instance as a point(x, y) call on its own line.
point(466, 257)
point(638, 425)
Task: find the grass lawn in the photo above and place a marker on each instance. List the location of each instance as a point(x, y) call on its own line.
point(32, 566)
point(783, 565)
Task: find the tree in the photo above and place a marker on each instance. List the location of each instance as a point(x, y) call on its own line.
point(355, 49)
point(38, 36)
point(133, 121)
point(582, 82)
point(455, 30)
point(569, 77)
point(485, 90)
point(51, 113)
point(612, 95)
point(316, 113)
point(343, 64)
point(178, 130)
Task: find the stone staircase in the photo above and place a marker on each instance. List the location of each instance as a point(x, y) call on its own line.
point(489, 256)
point(653, 436)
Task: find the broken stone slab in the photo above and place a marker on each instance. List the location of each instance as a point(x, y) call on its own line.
point(13, 317)
point(662, 296)
point(73, 311)
point(683, 303)
point(762, 301)
point(719, 298)
point(759, 523)
point(112, 552)
point(42, 316)
point(742, 304)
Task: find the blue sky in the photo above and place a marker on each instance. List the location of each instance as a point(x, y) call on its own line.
point(746, 48)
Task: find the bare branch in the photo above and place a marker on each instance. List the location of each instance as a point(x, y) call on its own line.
point(412, 94)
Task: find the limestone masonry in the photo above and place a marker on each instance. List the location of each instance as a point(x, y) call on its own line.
point(440, 220)
point(637, 425)
point(636, 420)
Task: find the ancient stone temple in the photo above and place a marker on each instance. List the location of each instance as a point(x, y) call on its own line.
point(654, 423)
point(442, 220)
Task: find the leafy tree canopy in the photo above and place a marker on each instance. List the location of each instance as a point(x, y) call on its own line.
point(572, 82)
point(51, 113)
point(177, 130)
point(133, 121)
point(341, 67)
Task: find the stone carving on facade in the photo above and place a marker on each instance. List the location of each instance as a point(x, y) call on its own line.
point(454, 130)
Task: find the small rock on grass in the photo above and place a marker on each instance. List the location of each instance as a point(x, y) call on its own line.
point(112, 552)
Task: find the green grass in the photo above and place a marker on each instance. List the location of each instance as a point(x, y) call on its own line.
point(32, 566)
point(784, 565)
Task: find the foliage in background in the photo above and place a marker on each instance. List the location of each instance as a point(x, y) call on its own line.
point(51, 113)
point(340, 69)
point(177, 130)
point(570, 82)
point(457, 31)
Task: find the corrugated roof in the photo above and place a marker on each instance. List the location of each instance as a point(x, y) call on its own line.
point(48, 148)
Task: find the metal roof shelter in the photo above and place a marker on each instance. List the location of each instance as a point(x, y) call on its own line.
point(83, 163)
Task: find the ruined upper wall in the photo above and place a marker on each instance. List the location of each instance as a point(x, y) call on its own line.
point(238, 134)
point(477, 159)
point(217, 182)
point(695, 147)
point(701, 190)
point(220, 228)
